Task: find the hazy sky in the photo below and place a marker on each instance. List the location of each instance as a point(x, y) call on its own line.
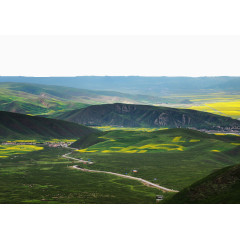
point(146, 55)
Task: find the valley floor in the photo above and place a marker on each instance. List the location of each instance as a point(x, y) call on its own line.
point(45, 177)
point(115, 168)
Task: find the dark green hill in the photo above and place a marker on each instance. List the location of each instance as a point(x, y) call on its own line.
point(88, 140)
point(222, 186)
point(129, 115)
point(19, 126)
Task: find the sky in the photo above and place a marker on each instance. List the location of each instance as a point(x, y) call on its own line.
point(119, 55)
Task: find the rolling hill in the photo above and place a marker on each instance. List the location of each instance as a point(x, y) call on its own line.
point(222, 186)
point(40, 99)
point(35, 99)
point(173, 158)
point(128, 115)
point(18, 126)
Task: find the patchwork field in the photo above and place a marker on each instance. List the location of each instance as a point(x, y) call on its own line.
point(173, 158)
point(158, 141)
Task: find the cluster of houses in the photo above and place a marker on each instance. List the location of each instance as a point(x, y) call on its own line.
point(227, 130)
point(59, 144)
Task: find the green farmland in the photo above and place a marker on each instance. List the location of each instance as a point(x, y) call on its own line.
point(45, 177)
point(173, 158)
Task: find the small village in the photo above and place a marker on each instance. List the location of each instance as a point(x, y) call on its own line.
point(229, 130)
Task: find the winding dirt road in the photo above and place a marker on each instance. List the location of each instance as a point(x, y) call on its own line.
point(76, 159)
point(145, 182)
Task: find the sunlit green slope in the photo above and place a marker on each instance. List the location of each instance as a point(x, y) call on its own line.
point(174, 158)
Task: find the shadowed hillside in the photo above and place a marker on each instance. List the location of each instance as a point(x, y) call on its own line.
point(129, 115)
point(19, 126)
point(222, 186)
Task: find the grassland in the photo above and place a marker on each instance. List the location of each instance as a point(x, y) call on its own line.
point(173, 158)
point(45, 177)
point(170, 158)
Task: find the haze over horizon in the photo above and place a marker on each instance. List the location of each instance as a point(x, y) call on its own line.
point(119, 56)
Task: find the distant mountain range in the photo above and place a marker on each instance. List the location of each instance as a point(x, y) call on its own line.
point(19, 126)
point(157, 86)
point(130, 115)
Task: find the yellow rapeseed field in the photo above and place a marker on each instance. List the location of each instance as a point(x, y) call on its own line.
point(135, 149)
point(6, 150)
point(194, 140)
point(177, 139)
point(230, 108)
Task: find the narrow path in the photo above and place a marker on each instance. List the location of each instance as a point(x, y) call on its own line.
point(145, 182)
point(76, 159)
